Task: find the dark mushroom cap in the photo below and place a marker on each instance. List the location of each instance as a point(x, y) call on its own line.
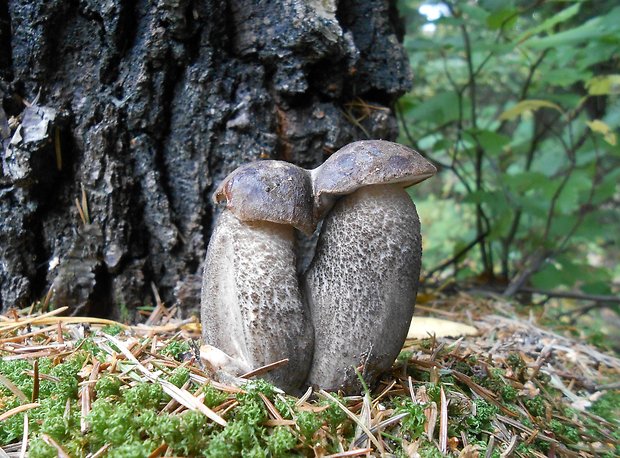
point(364, 163)
point(274, 191)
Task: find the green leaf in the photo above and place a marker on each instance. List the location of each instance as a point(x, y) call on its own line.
point(579, 183)
point(562, 271)
point(551, 276)
point(604, 85)
point(479, 197)
point(598, 27)
point(548, 24)
point(492, 142)
point(527, 106)
point(503, 18)
point(474, 12)
point(440, 108)
point(524, 181)
point(564, 77)
point(607, 187)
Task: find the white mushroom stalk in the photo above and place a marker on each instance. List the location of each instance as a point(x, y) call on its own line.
point(362, 283)
point(354, 307)
point(251, 304)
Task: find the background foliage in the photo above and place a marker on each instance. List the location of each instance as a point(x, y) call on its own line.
point(517, 102)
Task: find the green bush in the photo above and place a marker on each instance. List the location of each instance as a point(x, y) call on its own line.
point(518, 105)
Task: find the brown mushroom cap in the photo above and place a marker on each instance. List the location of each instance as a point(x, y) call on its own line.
point(364, 163)
point(274, 191)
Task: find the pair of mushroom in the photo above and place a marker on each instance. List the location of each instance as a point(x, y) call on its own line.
point(351, 309)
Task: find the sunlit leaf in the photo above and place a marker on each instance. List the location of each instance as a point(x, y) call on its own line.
point(604, 85)
point(600, 26)
point(527, 106)
point(600, 127)
point(548, 24)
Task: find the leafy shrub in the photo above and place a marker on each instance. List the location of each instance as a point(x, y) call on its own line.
point(518, 105)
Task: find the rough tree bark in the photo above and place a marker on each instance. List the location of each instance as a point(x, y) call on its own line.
point(140, 107)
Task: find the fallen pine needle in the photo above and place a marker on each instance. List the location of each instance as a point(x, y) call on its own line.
point(18, 409)
point(353, 417)
point(357, 452)
point(13, 389)
point(443, 423)
point(183, 397)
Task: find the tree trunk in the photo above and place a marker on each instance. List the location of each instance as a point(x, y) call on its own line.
point(119, 118)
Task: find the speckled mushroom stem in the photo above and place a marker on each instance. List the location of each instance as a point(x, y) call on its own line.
point(252, 306)
point(361, 286)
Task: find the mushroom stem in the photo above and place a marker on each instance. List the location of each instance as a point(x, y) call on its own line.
point(252, 307)
point(361, 285)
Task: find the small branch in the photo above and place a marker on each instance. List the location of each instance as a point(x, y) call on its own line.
point(541, 254)
point(599, 298)
point(533, 263)
point(454, 259)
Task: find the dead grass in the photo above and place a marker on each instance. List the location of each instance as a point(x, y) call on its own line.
point(515, 389)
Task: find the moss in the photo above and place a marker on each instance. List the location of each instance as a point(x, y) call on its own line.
point(308, 423)
point(566, 433)
point(536, 406)
point(286, 406)
point(234, 439)
point(112, 329)
point(404, 356)
point(607, 406)
point(251, 409)
point(167, 428)
point(213, 397)
point(179, 376)
point(261, 386)
point(429, 450)
point(89, 346)
point(413, 423)
point(39, 449)
point(144, 395)
point(56, 427)
point(110, 423)
point(515, 362)
point(434, 392)
point(508, 393)
point(481, 421)
point(195, 429)
point(463, 367)
point(175, 349)
point(333, 415)
point(132, 450)
point(280, 441)
point(15, 372)
point(53, 397)
point(108, 385)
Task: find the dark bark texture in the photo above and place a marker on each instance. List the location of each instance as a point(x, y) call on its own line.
point(119, 117)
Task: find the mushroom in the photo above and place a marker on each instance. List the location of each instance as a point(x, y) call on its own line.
point(362, 283)
point(251, 304)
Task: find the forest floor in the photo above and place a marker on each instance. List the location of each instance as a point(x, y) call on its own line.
point(493, 380)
